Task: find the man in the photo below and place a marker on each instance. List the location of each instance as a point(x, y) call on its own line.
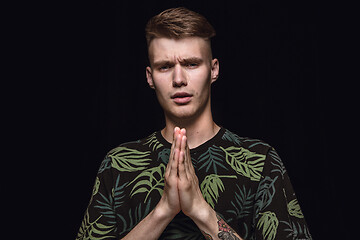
point(193, 179)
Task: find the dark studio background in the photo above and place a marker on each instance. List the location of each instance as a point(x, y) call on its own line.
point(270, 87)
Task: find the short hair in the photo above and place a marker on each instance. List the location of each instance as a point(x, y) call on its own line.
point(178, 23)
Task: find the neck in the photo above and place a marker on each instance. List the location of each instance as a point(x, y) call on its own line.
point(198, 130)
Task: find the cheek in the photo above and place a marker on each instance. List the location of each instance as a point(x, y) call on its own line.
point(202, 84)
point(160, 84)
point(161, 90)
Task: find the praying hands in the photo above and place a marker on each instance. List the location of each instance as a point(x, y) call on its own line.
point(182, 192)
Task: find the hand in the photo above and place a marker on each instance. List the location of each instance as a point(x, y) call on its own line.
point(170, 202)
point(192, 201)
point(182, 192)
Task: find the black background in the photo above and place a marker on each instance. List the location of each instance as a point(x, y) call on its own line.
point(88, 93)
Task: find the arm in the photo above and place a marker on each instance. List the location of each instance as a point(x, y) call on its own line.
point(193, 203)
point(277, 212)
point(152, 226)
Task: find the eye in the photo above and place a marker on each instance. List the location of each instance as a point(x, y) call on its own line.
point(192, 65)
point(164, 68)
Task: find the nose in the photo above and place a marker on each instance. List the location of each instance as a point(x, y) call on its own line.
point(179, 77)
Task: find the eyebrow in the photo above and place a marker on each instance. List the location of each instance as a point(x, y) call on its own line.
point(162, 63)
point(183, 61)
point(191, 60)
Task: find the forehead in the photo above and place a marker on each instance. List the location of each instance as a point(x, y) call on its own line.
point(169, 49)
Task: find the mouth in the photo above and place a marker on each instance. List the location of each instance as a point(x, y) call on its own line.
point(182, 97)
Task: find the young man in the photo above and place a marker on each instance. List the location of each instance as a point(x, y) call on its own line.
point(193, 179)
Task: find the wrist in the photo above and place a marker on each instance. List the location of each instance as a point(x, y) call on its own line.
point(163, 211)
point(206, 221)
point(203, 215)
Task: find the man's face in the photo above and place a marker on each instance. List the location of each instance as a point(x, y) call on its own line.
point(181, 73)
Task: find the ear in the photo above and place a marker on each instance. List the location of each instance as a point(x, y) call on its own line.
point(149, 77)
point(214, 70)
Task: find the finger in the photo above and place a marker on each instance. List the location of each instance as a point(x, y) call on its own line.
point(176, 153)
point(182, 168)
point(191, 166)
point(187, 158)
point(174, 164)
point(172, 152)
point(177, 139)
point(188, 163)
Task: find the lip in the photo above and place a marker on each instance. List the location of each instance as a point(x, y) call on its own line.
point(182, 97)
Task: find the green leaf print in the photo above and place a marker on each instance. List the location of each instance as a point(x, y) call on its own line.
point(96, 186)
point(95, 189)
point(296, 231)
point(244, 162)
point(210, 187)
point(93, 230)
point(294, 209)
point(129, 160)
point(211, 158)
point(269, 223)
point(154, 181)
point(153, 142)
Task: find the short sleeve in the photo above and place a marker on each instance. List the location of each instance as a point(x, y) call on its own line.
point(99, 220)
point(277, 213)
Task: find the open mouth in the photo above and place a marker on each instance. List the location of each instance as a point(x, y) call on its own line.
point(181, 97)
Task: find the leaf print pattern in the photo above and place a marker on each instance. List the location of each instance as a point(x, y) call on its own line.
point(277, 163)
point(266, 192)
point(245, 162)
point(129, 160)
point(269, 223)
point(108, 204)
point(295, 230)
point(210, 188)
point(154, 181)
point(294, 209)
point(95, 189)
point(243, 203)
point(94, 230)
point(134, 216)
point(231, 137)
point(106, 164)
point(164, 155)
point(153, 142)
point(242, 179)
point(211, 158)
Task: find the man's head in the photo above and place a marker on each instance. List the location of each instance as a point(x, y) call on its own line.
point(178, 23)
point(181, 66)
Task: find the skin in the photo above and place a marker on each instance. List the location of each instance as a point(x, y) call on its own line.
point(186, 66)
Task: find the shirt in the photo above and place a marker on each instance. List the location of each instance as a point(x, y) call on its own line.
point(242, 179)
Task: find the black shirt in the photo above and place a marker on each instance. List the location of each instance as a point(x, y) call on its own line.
point(242, 179)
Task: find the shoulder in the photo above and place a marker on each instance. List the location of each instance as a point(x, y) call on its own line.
point(251, 157)
point(253, 145)
point(132, 156)
point(144, 145)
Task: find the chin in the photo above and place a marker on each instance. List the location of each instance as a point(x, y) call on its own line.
point(183, 114)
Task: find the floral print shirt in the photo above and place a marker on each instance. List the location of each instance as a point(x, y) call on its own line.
point(242, 179)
